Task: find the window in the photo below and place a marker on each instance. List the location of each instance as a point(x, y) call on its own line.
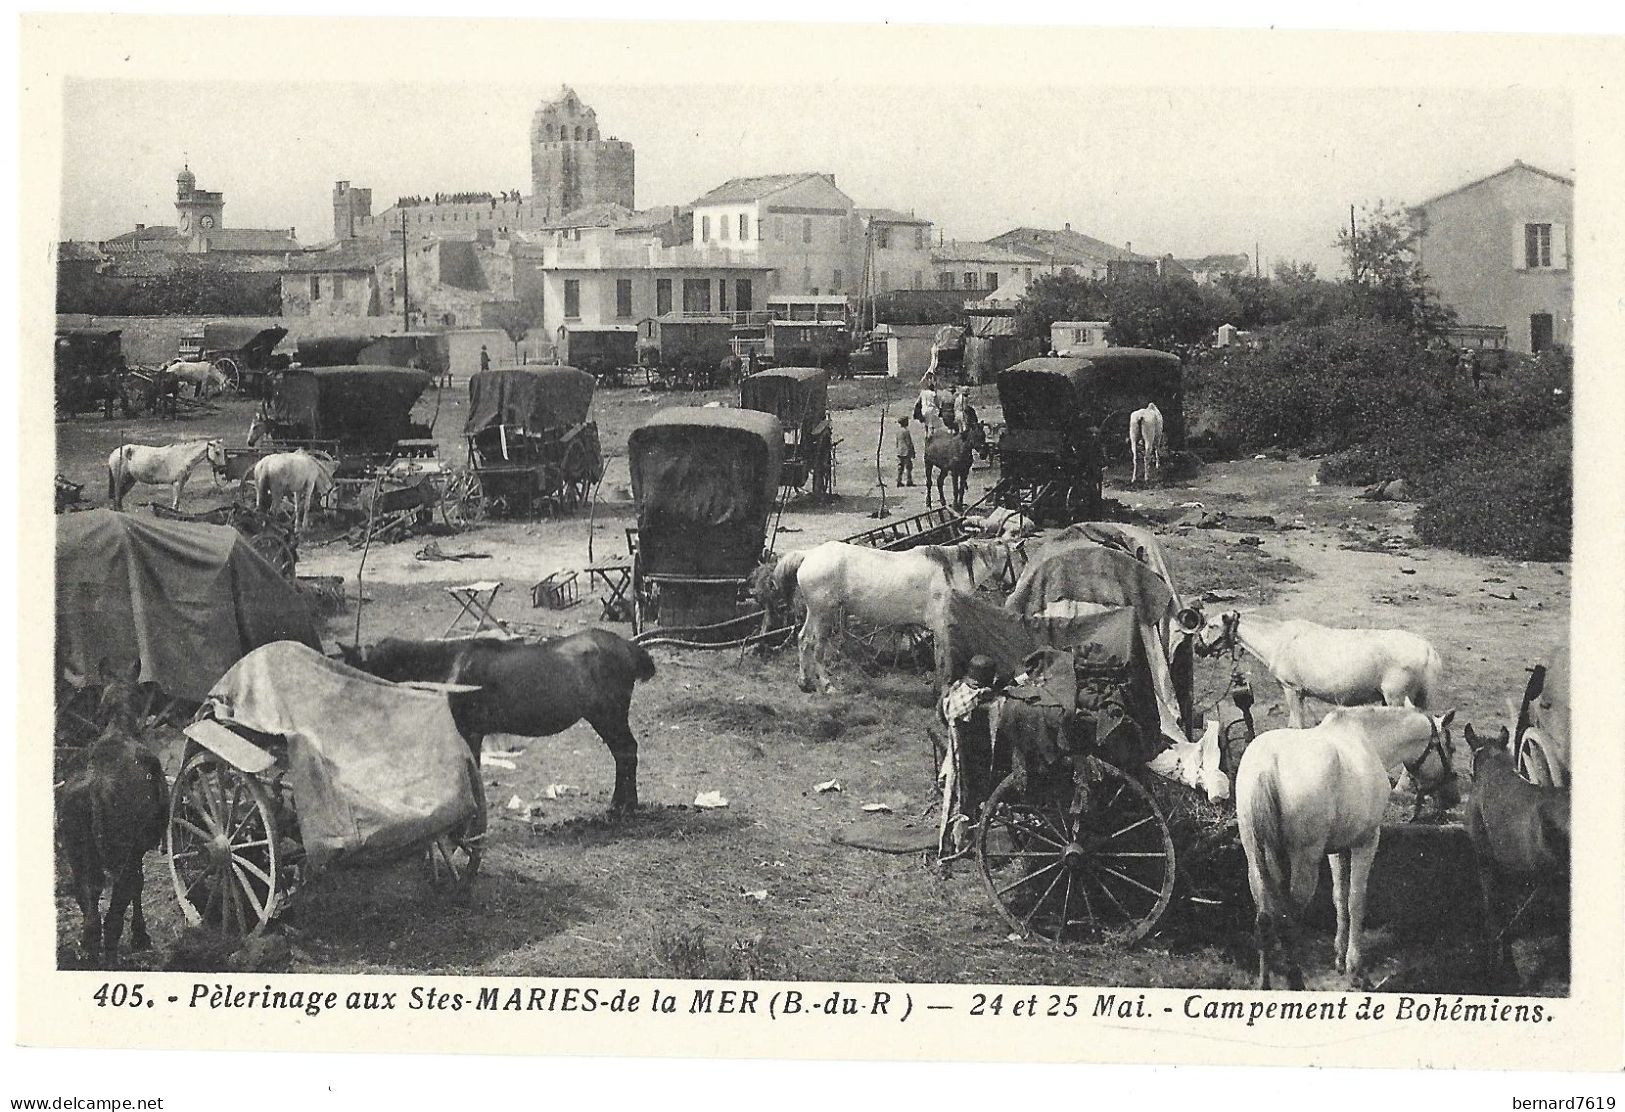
point(992, 279)
point(838, 284)
point(742, 299)
point(885, 281)
point(705, 229)
point(696, 295)
point(970, 280)
point(778, 228)
point(919, 280)
point(1537, 246)
point(883, 237)
point(744, 227)
point(623, 297)
point(845, 228)
point(572, 298)
point(315, 287)
point(338, 287)
point(806, 229)
point(945, 280)
point(722, 295)
point(723, 228)
point(662, 296)
point(919, 238)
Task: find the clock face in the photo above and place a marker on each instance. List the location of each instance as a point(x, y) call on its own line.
point(206, 222)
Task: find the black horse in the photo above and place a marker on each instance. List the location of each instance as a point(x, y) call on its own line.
point(531, 689)
point(948, 452)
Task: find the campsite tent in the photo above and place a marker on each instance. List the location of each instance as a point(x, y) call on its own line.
point(183, 599)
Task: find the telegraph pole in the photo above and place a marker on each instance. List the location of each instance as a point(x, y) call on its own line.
point(406, 282)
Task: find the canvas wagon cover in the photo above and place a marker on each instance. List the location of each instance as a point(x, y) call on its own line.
point(797, 396)
point(533, 397)
point(332, 351)
point(375, 767)
point(251, 339)
point(355, 405)
point(705, 481)
point(183, 599)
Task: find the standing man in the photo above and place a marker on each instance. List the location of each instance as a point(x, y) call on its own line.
point(485, 359)
point(905, 453)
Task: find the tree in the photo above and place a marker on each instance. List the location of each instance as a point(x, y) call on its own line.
point(515, 318)
point(1385, 276)
point(1160, 313)
point(1053, 297)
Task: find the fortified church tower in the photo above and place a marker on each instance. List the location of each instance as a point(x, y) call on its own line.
point(570, 166)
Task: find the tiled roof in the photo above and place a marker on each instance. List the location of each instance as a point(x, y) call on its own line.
point(249, 239)
point(1065, 246)
point(976, 252)
point(751, 189)
point(146, 235)
point(348, 259)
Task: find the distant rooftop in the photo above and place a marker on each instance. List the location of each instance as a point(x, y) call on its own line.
point(752, 189)
point(1065, 246)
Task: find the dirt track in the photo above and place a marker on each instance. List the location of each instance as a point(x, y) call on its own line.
point(672, 891)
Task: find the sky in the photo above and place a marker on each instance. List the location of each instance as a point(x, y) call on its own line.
point(1181, 170)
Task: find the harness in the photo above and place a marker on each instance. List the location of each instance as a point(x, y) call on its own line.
point(1435, 745)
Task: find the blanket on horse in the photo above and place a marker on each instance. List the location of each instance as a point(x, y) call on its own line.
point(376, 767)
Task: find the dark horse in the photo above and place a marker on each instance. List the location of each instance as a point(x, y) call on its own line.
point(1519, 831)
point(532, 689)
point(111, 809)
point(948, 452)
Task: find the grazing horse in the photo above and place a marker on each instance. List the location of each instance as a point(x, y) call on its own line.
point(204, 377)
point(872, 585)
point(308, 478)
point(1306, 794)
point(111, 810)
point(1146, 441)
point(948, 452)
point(1519, 831)
point(170, 465)
point(529, 689)
point(1346, 667)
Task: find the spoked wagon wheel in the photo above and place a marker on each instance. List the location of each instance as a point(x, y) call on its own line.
point(228, 366)
point(453, 859)
point(1091, 862)
point(277, 550)
point(463, 503)
point(223, 854)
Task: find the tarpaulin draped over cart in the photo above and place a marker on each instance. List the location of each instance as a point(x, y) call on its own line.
point(533, 398)
point(184, 600)
point(705, 481)
point(375, 767)
point(360, 405)
point(1092, 569)
point(248, 340)
point(797, 396)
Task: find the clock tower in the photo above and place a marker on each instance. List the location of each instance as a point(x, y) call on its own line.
point(197, 211)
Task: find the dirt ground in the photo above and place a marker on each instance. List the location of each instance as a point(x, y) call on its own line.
point(758, 889)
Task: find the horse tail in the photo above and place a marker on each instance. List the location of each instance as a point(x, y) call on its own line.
point(1269, 834)
point(785, 572)
point(643, 665)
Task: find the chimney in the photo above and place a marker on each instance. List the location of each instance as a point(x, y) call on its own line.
point(140, 227)
point(1068, 227)
point(1129, 247)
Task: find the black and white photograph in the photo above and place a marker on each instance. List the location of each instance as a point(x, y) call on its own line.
point(923, 543)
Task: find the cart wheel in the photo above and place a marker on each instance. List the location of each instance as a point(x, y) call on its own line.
point(227, 366)
point(453, 859)
point(223, 854)
point(1096, 861)
point(272, 545)
point(463, 504)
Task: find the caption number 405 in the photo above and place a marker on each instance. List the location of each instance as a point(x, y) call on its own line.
point(120, 996)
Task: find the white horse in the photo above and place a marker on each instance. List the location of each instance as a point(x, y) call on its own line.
point(1306, 794)
point(204, 377)
point(875, 586)
point(1146, 441)
point(306, 477)
point(170, 465)
point(1346, 667)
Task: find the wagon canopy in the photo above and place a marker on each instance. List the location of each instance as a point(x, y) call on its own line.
point(797, 396)
point(333, 351)
point(353, 405)
point(184, 600)
point(705, 481)
point(1058, 394)
point(534, 398)
point(252, 342)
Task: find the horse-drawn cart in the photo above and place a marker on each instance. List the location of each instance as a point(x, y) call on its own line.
point(1076, 834)
point(799, 398)
point(530, 443)
point(706, 482)
point(686, 349)
point(244, 353)
point(1065, 417)
point(605, 353)
point(297, 763)
point(90, 370)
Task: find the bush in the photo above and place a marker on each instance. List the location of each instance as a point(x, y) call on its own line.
point(1517, 502)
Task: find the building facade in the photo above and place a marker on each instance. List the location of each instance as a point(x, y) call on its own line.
point(200, 229)
point(987, 270)
point(898, 245)
point(1498, 251)
point(799, 226)
point(1067, 251)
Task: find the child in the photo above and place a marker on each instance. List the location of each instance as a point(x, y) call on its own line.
point(960, 701)
point(905, 453)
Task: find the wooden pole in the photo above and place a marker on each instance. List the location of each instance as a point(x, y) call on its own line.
point(406, 281)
